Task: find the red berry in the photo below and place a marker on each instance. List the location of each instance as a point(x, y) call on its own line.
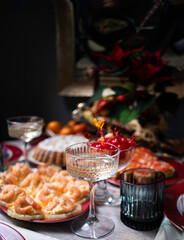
point(120, 98)
point(102, 104)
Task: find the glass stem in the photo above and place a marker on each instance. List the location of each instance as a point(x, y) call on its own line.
point(25, 150)
point(91, 216)
point(103, 185)
point(101, 189)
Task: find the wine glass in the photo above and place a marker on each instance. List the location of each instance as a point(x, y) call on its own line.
point(83, 161)
point(102, 194)
point(25, 128)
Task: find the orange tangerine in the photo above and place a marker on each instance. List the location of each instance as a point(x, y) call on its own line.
point(79, 128)
point(65, 131)
point(71, 123)
point(54, 126)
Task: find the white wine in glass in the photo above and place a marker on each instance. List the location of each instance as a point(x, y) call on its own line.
point(25, 128)
point(83, 161)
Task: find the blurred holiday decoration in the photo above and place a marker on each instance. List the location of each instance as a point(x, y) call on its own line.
point(148, 91)
point(128, 62)
point(94, 27)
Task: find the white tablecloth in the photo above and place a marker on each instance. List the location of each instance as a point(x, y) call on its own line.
point(28, 234)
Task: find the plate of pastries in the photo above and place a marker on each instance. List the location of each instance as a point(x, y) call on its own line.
point(43, 194)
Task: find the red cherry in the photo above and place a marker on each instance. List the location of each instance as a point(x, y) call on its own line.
point(119, 146)
point(101, 146)
point(131, 143)
point(108, 140)
point(97, 145)
point(118, 138)
point(112, 148)
point(124, 147)
point(115, 141)
point(93, 144)
point(124, 142)
point(105, 146)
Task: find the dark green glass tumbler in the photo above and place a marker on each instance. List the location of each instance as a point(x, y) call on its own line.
point(142, 198)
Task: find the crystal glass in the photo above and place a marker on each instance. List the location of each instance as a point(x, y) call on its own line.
point(92, 164)
point(142, 198)
point(102, 194)
point(25, 128)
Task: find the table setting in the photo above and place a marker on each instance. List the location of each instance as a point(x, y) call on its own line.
point(149, 200)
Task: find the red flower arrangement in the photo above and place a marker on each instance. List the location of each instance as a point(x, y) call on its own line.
point(139, 66)
point(147, 69)
point(117, 57)
point(142, 91)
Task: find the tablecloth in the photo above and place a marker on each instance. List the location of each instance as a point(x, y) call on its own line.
point(62, 230)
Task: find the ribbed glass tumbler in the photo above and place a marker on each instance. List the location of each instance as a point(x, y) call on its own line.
point(142, 198)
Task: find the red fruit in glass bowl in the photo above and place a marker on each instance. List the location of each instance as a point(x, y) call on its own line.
point(124, 143)
point(131, 143)
point(115, 141)
point(104, 146)
point(122, 155)
point(108, 140)
point(97, 145)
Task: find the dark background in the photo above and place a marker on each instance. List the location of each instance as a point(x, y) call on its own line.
point(28, 66)
point(28, 63)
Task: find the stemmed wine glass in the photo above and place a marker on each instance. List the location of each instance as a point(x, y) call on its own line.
point(102, 194)
point(25, 128)
point(83, 161)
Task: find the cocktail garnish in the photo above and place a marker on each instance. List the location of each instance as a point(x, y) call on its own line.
point(101, 131)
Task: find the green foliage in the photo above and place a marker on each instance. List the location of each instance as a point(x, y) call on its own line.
point(97, 95)
point(126, 112)
point(142, 73)
point(128, 115)
point(107, 63)
point(144, 103)
point(118, 90)
point(129, 87)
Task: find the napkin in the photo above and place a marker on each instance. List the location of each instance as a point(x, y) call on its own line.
point(30, 235)
point(168, 231)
